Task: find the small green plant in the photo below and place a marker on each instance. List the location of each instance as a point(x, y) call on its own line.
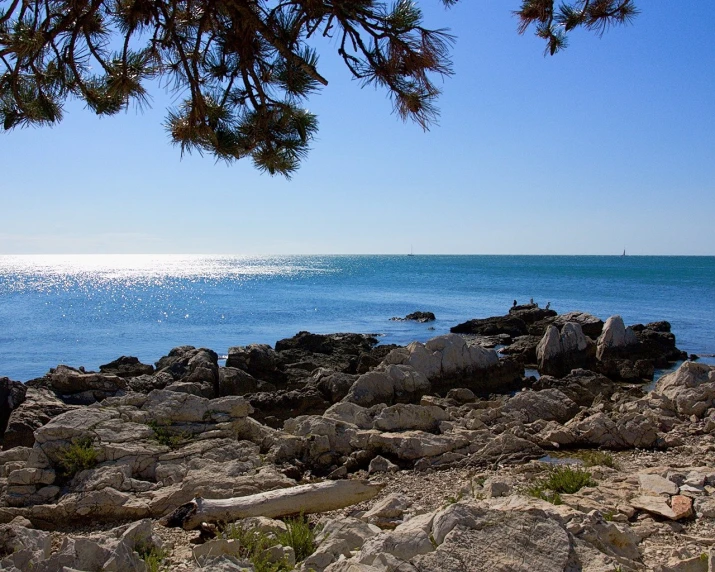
point(608, 515)
point(78, 456)
point(299, 536)
point(452, 500)
point(562, 479)
point(152, 556)
point(594, 458)
point(254, 545)
point(165, 437)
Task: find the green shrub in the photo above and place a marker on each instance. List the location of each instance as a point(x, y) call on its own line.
point(165, 437)
point(562, 479)
point(78, 456)
point(299, 536)
point(594, 458)
point(253, 546)
point(152, 556)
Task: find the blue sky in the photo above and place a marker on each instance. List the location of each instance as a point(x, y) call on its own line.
point(605, 146)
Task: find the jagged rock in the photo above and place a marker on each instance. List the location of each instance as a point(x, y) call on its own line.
point(191, 365)
point(39, 407)
point(475, 539)
point(511, 325)
point(495, 487)
point(627, 430)
point(659, 505)
point(337, 352)
point(657, 485)
point(148, 383)
point(258, 360)
point(126, 366)
point(234, 381)
point(547, 405)
point(408, 540)
point(691, 388)
point(657, 343)
point(333, 385)
point(77, 387)
point(506, 448)
point(590, 325)
point(352, 413)
point(402, 417)
point(389, 384)
point(451, 360)
point(388, 513)
point(338, 538)
point(22, 548)
point(413, 445)
point(531, 313)
point(421, 317)
point(272, 408)
point(381, 465)
point(461, 395)
point(523, 346)
point(12, 394)
point(559, 352)
point(615, 336)
point(580, 385)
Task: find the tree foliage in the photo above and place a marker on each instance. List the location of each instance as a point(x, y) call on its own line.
point(554, 23)
point(241, 68)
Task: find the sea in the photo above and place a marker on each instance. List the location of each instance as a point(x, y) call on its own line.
point(86, 310)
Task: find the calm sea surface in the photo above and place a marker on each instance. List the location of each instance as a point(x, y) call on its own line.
point(87, 310)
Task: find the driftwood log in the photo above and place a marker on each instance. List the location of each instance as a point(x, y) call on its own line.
point(303, 499)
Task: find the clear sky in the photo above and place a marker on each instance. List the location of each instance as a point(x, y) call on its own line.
point(605, 146)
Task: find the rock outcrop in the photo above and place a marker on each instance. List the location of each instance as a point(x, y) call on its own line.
point(559, 352)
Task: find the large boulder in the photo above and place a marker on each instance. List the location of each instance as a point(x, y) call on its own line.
point(691, 388)
point(547, 405)
point(39, 407)
point(524, 347)
point(12, 394)
point(188, 364)
point(78, 387)
point(591, 325)
point(389, 384)
point(272, 408)
point(511, 325)
point(560, 352)
point(451, 360)
point(126, 366)
point(580, 385)
point(258, 360)
point(531, 313)
point(615, 338)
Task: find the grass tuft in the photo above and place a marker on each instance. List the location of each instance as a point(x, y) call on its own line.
point(152, 556)
point(253, 547)
point(594, 458)
point(562, 479)
point(80, 455)
point(299, 536)
point(165, 437)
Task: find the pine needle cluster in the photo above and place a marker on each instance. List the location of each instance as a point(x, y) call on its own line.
point(242, 69)
point(554, 23)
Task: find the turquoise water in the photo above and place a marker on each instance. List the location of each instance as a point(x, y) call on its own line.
point(87, 310)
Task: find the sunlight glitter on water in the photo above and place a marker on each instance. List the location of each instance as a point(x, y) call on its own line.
point(62, 271)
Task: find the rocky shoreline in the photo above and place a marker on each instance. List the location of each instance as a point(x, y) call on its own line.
point(434, 456)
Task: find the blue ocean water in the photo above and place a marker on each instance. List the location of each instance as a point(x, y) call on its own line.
point(86, 310)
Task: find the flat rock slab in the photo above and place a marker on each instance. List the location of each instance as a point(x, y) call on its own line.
point(656, 485)
point(680, 507)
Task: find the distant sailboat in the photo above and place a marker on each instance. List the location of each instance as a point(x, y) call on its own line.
point(411, 252)
point(624, 252)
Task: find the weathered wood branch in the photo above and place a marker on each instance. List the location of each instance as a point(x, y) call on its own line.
point(303, 499)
